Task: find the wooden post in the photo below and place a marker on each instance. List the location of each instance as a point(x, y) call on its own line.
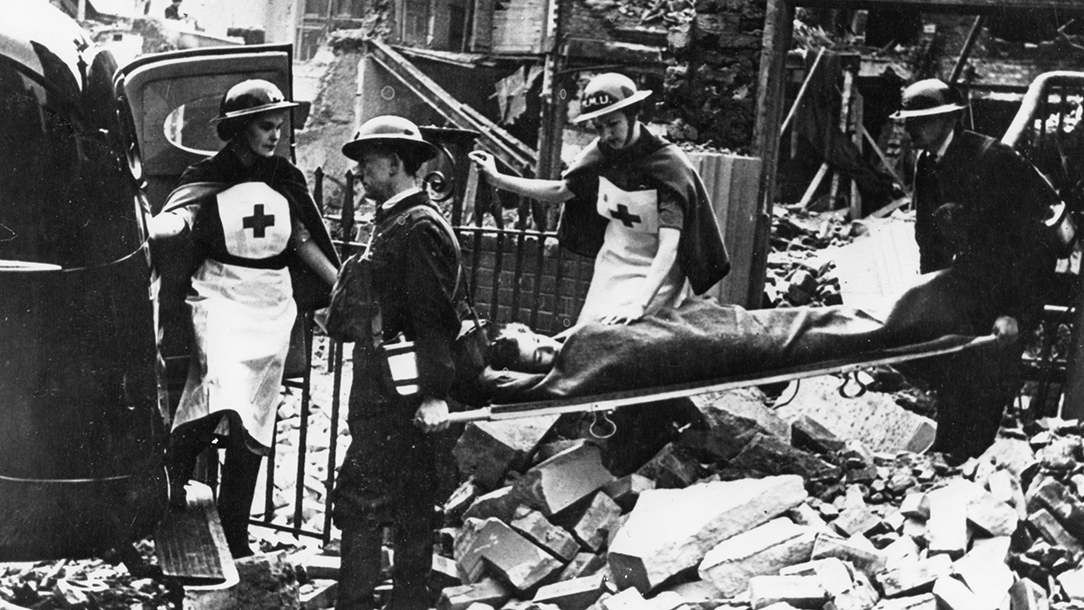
point(778, 27)
point(844, 124)
point(856, 137)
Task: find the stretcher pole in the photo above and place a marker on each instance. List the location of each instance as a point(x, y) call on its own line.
point(614, 400)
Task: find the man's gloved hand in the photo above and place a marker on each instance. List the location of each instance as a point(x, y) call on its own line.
point(1006, 330)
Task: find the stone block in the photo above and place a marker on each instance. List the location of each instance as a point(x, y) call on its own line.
point(856, 518)
point(873, 418)
point(265, 581)
point(671, 530)
point(953, 594)
point(673, 467)
point(626, 599)
point(1006, 487)
point(696, 591)
point(1059, 502)
point(914, 578)
point(575, 594)
point(488, 450)
point(902, 551)
point(848, 588)
point(946, 529)
point(318, 594)
point(1026, 595)
point(1012, 454)
point(763, 550)
point(499, 551)
point(798, 591)
point(733, 418)
point(991, 515)
point(468, 563)
point(924, 601)
point(773, 456)
point(984, 571)
point(1072, 583)
point(461, 499)
point(444, 573)
point(594, 526)
point(857, 551)
point(498, 504)
point(809, 434)
point(489, 591)
point(563, 480)
point(1052, 531)
point(583, 564)
point(916, 504)
point(534, 526)
point(627, 489)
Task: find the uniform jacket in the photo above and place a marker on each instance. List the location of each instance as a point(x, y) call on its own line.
point(661, 165)
point(414, 272)
point(979, 209)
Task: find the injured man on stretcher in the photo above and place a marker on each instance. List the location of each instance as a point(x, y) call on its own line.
point(702, 340)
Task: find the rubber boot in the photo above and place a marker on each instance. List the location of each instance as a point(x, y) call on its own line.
point(238, 486)
point(359, 571)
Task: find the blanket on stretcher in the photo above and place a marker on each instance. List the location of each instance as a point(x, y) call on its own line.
point(701, 340)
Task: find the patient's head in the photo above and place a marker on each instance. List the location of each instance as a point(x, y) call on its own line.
point(517, 348)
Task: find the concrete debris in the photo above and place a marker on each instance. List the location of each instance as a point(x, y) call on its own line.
point(864, 530)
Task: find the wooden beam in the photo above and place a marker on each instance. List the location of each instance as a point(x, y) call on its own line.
point(778, 29)
point(801, 92)
point(949, 5)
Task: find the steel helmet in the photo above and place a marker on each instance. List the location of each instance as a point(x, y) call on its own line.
point(928, 97)
point(395, 131)
point(606, 93)
point(250, 97)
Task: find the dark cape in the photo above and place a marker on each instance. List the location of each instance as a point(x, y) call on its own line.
point(663, 166)
point(218, 173)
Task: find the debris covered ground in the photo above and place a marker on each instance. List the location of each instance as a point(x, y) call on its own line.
point(805, 505)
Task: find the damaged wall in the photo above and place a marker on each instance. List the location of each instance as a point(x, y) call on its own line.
point(712, 85)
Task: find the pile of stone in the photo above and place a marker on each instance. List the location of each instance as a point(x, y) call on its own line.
point(799, 271)
point(81, 583)
point(754, 511)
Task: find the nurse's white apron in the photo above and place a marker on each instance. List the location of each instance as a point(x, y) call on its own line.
point(242, 317)
point(630, 245)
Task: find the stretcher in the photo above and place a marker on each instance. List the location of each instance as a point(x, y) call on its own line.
point(847, 366)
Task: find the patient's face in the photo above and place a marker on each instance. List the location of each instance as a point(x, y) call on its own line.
point(536, 353)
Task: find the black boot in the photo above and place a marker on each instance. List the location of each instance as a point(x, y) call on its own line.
point(235, 493)
point(185, 445)
point(359, 571)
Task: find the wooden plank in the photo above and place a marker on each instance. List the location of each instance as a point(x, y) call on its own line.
point(190, 543)
point(812, 188)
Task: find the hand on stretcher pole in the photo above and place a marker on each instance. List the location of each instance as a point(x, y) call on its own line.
point(614, 400)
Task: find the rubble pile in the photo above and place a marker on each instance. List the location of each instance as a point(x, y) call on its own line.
point(799, 273)
point(752, 511)
point(82, 583)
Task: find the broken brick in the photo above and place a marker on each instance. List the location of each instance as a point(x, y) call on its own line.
point(762, 550)
point(536, 528)
point(575, 594)
point(597, 522)
point(563, 480)
point(488, 450)
point(798, 591)
point(489, 591)
point(670, 530)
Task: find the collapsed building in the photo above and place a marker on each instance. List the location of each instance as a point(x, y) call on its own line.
point(826, 536)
